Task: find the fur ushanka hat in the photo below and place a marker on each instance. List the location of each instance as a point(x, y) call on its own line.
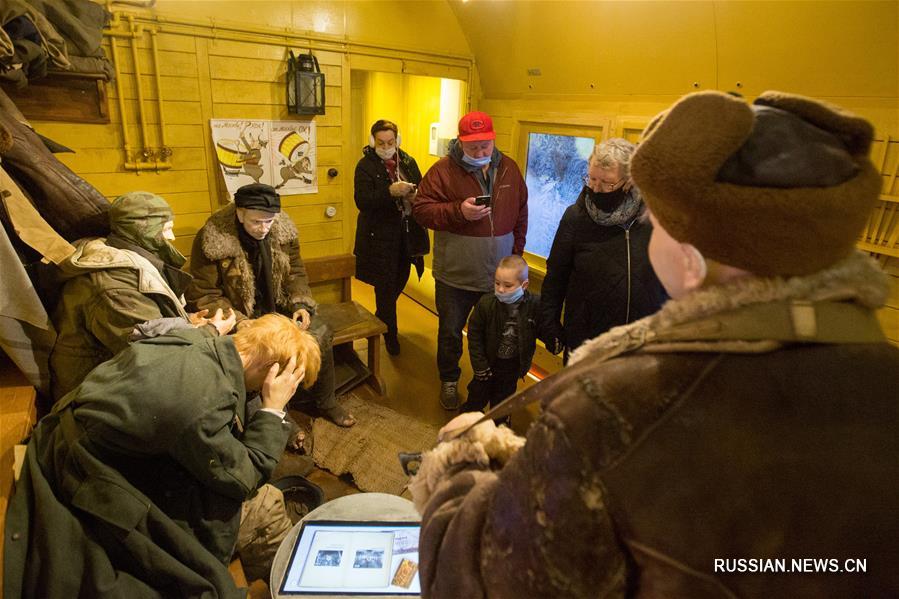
point(779, 187)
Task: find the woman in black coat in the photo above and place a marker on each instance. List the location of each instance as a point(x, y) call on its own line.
point(388, 240)
point(598, 267)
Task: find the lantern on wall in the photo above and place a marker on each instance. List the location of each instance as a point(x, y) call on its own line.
point(305, 85)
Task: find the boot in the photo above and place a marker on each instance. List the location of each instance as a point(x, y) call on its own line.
point(392, 344)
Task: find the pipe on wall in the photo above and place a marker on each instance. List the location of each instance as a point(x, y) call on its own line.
point(120, 96)
point(198, 28)
point(148, 159)
point(164, 150)
point(136, 33)
point(250, 33)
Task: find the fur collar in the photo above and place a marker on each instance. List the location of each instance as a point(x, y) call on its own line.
point(857, 279)
point(92, 253)
point(220, 238)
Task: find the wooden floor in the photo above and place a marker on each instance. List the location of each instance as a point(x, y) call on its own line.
point(411, 378)
point(412, 381)
point(413, 384)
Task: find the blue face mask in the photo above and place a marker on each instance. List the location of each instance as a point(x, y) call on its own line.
point(511, 297)
point(481, 162)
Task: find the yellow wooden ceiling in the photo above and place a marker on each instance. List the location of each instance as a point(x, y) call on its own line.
point(634, 47)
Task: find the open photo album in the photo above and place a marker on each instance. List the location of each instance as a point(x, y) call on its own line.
point(354, 558)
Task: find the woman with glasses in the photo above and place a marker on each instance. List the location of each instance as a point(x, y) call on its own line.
point(598, 269)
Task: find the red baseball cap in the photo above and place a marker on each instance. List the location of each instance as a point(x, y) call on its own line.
point(476, 126)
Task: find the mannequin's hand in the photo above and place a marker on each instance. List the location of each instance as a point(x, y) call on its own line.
point(222, 324)
point(198, 319)
point(458, 424)
point(279, 387)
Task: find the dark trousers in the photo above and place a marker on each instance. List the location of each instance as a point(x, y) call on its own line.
point(387, 292)
point(453, 307)
point(321, 394)
point(499, 386)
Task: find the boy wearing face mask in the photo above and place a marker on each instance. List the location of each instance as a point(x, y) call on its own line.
point(502, 336)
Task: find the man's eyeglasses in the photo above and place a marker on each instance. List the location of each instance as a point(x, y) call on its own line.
point(604, 186)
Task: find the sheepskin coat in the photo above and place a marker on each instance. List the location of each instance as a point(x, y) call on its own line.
point(752, 420)
point(223, 275)
point(106, 293)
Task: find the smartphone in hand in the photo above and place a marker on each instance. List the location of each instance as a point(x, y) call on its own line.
point(482, 201)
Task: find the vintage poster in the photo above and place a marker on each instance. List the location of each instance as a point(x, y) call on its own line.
point(277, 153)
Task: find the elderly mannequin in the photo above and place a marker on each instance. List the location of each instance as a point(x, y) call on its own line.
point(246, 258)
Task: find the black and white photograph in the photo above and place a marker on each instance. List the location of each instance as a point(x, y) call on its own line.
point(328, 558)
point(369, 558)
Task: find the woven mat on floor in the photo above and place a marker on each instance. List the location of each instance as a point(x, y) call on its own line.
point(368, 450)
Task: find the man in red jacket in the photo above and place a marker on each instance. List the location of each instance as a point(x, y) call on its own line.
point(475, 200)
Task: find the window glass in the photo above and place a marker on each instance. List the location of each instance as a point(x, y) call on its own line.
point(556, 166)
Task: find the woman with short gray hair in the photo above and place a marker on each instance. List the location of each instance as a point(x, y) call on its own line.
point(612, 153)
point(598, 269)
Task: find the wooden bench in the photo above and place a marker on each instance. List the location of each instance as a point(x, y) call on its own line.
point(349, 320)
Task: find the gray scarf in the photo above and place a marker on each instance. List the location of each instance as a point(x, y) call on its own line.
point(620, 215)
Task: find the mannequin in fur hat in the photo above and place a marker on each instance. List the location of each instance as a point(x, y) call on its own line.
point(752, 418)
point(246, 258)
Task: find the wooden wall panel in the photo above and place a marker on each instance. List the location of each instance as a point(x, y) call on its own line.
point(112, 160)
point(175, 64)
point(226, 92)
point(252, 108)
point(177, 112)
point(188, 202)
point(202, 77)
point(173, 88)
point(230, 48)
point(160, 183)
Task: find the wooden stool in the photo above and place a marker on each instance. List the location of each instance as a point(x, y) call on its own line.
point(350, 321)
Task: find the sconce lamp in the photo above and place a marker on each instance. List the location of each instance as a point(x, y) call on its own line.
point(305, 85)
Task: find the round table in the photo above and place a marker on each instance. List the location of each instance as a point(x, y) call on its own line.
point(374, 507)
